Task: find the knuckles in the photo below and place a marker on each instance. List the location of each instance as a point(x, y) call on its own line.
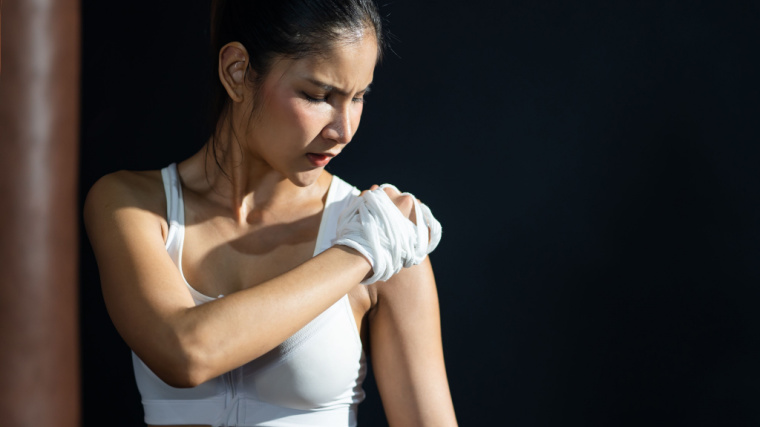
point(404, 202)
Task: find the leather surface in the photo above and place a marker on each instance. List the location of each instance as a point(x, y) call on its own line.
point(39, 126)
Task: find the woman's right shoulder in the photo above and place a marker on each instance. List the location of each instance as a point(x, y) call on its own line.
point(134, 191)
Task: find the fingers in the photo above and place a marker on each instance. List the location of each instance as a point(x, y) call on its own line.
point(403, 201)
point(374, 187)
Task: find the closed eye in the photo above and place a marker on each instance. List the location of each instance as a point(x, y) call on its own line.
point(358, 97)
point(314, 99)
point(317, 100)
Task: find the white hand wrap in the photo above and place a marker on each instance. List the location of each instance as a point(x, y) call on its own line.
point(375, 227)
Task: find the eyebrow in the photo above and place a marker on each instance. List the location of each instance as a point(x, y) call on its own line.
point(329, 88)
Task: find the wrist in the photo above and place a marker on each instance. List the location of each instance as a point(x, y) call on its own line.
point(357, 258)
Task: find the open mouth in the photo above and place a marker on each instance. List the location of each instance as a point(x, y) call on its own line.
point(319, 160)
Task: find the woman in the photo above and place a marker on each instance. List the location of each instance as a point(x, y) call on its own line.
point(235, 275)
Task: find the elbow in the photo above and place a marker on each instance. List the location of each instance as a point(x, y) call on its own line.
point(185, 365)
point(183, 376)
point(192, 368)
point(182, 382)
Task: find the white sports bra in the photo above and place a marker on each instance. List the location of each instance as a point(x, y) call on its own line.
point(312, 379)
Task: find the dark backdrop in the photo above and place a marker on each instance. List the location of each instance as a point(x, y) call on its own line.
point(594, 165)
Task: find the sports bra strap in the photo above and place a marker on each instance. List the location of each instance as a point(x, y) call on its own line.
point(175, 209)
point(175, 212)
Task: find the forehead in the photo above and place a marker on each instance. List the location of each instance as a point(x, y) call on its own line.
point(347, 65)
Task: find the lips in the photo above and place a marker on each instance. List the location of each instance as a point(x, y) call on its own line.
point(319, 160)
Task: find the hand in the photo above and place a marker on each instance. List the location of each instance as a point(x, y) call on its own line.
point(371, 226)
point(404, 202)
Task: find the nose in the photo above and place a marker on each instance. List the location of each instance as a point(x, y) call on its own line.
point(342, 126)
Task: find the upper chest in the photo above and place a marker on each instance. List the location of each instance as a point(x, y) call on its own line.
point(216, 259)
point(220, 258)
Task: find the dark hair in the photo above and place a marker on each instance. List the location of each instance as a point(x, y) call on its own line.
point(289, 28)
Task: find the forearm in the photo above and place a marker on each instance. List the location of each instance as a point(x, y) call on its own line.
point(226, 333)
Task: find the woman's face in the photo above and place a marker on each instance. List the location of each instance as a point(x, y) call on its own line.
point(310, 109)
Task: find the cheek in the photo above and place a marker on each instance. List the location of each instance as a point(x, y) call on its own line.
point(293, 116)
point(309, 119)
point(356, 116)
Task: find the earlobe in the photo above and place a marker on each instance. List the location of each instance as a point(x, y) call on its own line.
point(233, 63)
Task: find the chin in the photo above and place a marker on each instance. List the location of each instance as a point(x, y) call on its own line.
point(307, 178)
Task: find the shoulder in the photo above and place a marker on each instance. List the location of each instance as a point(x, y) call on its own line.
point(134, 191)
point(344, 188)
point(142, 189)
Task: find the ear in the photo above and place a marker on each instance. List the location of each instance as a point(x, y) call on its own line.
point(233, 63)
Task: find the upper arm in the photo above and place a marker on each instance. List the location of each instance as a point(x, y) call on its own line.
point(142, 288)
point(407, 355)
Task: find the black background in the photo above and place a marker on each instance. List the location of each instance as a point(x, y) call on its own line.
point(594, 165)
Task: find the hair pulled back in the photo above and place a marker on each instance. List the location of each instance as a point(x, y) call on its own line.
point(284, 28)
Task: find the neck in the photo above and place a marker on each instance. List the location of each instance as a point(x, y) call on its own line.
point(245, 184)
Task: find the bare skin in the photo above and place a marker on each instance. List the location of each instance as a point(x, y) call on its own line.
point(251, 238)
